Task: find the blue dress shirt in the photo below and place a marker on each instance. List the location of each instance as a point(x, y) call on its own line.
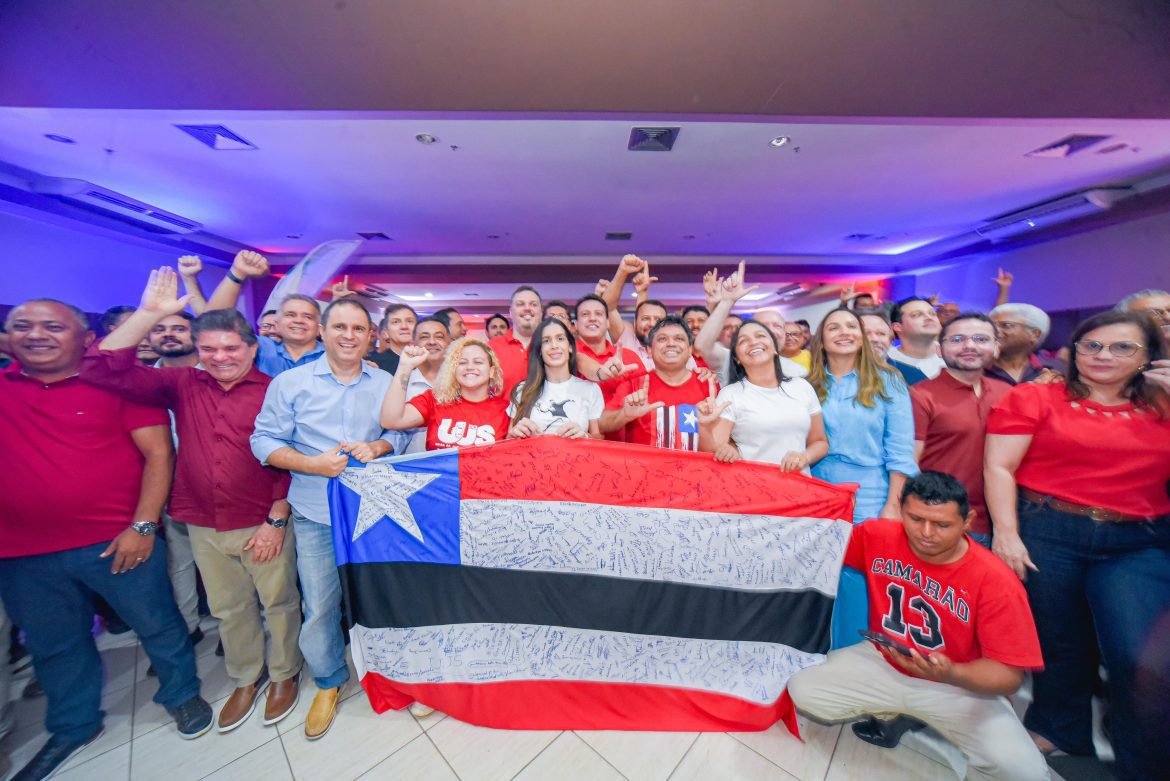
point(879, 437)
point(272, 356)
point(311, 411)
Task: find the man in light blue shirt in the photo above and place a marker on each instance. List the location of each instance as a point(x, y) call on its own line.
point(297, 324)
point(315, 417)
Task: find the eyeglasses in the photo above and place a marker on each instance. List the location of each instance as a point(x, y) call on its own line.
point(1008, 325)
point(979, 340)
point(1120, 349)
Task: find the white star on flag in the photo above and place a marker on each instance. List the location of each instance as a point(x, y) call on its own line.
point(689, 418)
point(384, 491)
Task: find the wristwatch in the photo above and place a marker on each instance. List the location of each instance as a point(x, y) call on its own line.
point(145, 528)
point(277, 523)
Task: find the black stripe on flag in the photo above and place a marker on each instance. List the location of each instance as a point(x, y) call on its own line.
point(405, 594)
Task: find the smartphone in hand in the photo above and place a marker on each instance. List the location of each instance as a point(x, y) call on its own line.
point(888, 642)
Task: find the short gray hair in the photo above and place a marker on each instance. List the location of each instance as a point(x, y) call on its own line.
point(1124, 304)
point(1031, 316)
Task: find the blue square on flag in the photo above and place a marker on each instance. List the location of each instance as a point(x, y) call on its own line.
point(394, 510)
point(688, 419)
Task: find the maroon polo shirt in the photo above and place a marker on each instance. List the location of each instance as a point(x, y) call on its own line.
point(72, 474)
point(952, 422)
point(218, 482)
point(513, 357)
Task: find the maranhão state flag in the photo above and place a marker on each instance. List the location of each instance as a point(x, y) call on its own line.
point(553, 584)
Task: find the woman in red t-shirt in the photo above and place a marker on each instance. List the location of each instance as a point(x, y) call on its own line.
point(467, 405)
point(1076, 482)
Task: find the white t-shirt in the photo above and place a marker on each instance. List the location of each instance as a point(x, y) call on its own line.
point(575, 400)
point(931, 366)
point(718, 360)
point(770, 422)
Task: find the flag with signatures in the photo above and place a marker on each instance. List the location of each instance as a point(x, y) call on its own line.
point(553, 584)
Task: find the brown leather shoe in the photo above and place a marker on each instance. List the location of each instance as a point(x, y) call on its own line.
point(321, 713)
point(282, 698)
point(241, 704)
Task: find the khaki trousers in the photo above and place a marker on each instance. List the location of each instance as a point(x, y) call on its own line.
point(233, 582)
point(856, 681)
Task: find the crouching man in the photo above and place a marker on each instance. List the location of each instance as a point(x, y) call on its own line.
point(954, 635)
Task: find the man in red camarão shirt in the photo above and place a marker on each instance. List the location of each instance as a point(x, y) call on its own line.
point(962, 622)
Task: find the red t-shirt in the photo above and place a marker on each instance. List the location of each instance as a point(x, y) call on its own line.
point(610, 387)
point(463, 423)
point(513, 358)
point(72, 473)
point(675, 425)
point(970, 609)
point(951, 422)
point(1112, 457)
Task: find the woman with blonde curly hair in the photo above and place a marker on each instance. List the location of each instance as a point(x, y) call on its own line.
point(467, 405)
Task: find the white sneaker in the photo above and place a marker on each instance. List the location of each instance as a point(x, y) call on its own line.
point(420, 711)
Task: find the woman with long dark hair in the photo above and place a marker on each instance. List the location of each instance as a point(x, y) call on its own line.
point(552, 399)
point(867, 414)
point(768, 417)
point(1076, 480)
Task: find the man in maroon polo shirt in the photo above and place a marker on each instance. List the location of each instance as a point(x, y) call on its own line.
point(950, 411)
point(84, 480)
point(235, 509)
point(512, 347)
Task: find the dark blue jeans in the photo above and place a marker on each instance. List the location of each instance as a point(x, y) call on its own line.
point(1099, 585)
point(50, 597)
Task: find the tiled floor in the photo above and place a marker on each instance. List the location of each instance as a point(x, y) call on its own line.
point(139, 742)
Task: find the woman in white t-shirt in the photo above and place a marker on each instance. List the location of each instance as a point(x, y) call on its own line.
point(761, 415)
point(551, 400)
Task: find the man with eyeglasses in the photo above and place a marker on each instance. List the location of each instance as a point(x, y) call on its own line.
point(951, 410)
point(1022, 330)
point(1155, 304)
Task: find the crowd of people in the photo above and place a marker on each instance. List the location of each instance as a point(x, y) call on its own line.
point(1013, 518)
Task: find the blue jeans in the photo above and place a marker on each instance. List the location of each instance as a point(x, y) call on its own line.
point(1104, 585)
point(322, 642)
point(50, 597)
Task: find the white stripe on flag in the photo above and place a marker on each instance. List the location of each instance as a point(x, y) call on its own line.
point(728, 550)
point(493, 653)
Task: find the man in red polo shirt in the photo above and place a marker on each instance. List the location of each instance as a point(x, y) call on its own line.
point(512, 348)
point(660, 408)
point(85, 478)
point(950, 411)
point(953, 636)
point(598, 359)
point(234, 508)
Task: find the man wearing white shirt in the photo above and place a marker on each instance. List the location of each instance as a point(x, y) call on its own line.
point(916, 323)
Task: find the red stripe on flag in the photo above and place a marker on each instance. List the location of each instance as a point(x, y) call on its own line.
point(546, 705)
point(553, 469)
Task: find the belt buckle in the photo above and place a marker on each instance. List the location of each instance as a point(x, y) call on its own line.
point(1101, 515)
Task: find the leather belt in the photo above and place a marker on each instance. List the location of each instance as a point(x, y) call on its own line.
point(1098, 514)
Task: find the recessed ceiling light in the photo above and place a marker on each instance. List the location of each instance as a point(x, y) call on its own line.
point(779, 141)
point(493, 235)
point(59, 139)
point(689, 236)
point(425, 138)
point(429, 294)
point(294, 235)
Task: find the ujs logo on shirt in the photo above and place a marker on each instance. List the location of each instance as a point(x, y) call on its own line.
point(461, 433)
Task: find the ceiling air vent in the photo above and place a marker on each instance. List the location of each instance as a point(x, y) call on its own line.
point(101, 200)
point(217, 137)
point(618, 236)
point(652, 139)
point(1067, 146)
point(1054, 212)
point(374, 236)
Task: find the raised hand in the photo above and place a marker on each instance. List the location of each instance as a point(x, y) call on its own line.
point(1159, 374)
point(631, 264)
point(412, 356)
point(1003, 279)
point(614, 368)
point(161, 296)
point(643, 281)
point(249, 264)
point(711, 284)
point(709, 409)
point(638, 403)
point(190, 266)
point(735, 286)
point(341, 289)
point(848, 293)
point(601, 287)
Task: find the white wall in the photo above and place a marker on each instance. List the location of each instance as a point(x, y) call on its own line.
point(89, 268)
point(1085, 271)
